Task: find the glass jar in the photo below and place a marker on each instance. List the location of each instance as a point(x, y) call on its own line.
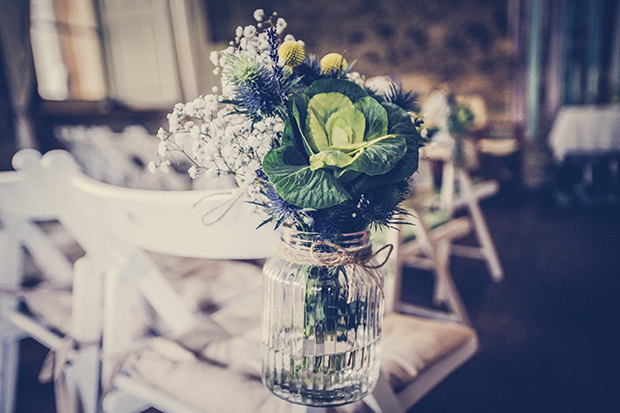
point(322, 314)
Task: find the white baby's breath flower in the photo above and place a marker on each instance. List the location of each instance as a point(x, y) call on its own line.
point(211, 173)
point(189, 108)
point(193, 172)
point(254, 166)
point(289, 38)
point(217, 140)
point(278, 127)
point(210, 149)
point(215, 58)
point(260, 126)
point(195, 132)
point(249, 31)
point(259, 15)
point(179, 138)
point(173, 118)
point(152, 167)
point(280, 25)
point(162, 148)
point(200, 103)
point(165, 166)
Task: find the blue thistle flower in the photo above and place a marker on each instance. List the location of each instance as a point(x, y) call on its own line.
point(256, 89)
point(407, 100)
point(310, 70)
point(341, 218)
point(380, 206)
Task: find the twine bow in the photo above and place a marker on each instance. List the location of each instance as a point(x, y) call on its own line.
point(217, 212)
point(337, 257)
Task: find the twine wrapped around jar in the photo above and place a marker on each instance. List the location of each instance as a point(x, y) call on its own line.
point(355, 256)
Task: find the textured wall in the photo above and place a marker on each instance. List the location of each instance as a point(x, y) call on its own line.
point(423, 43)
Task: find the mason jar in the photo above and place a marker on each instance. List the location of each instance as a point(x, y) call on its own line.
point(322, 314)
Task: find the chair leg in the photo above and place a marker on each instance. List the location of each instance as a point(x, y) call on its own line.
point(452, 296)
point(446, 196)
point(9, 363)
point(10, 271)
point(87, 327)
point(422, 234)
point(481, 229)
point(120, 298)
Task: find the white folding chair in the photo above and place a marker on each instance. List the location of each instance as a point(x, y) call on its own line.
point(220, 351)
point(457, 192)
point(125, 227)
point(73, 338)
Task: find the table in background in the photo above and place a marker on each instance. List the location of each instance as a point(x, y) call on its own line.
point(585, 142)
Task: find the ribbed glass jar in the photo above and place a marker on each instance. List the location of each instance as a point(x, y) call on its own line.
point(322, 314)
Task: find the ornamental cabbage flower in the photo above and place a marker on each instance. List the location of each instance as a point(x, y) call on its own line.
point(339, 143)
point(338, 138)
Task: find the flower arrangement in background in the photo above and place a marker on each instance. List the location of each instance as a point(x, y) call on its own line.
point(313, 143)
point(461, 117)
point(443, 110)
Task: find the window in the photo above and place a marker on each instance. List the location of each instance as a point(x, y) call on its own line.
point(66, 45)
point(123, 50)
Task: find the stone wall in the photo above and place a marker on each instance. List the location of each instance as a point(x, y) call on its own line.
point(425, 44)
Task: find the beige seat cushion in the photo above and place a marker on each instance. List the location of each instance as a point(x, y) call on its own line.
point(227, 345)
point(411, 344)
point(204, 386)
point(220, 370)
point(230, 338)
point(206, 284)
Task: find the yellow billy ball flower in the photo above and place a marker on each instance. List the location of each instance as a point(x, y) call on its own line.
point(292, 52)
point(332, 61)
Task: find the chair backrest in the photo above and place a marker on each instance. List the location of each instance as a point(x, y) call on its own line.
point(20, 207)
point(119, 159)
point(203, 223)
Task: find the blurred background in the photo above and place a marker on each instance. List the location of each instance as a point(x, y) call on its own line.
point(541, 76)
point(127, 62)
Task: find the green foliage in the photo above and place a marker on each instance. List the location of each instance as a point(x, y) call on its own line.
point(461, 119)
point(326, 305)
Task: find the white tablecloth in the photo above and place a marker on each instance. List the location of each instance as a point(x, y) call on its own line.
point(585, 130)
